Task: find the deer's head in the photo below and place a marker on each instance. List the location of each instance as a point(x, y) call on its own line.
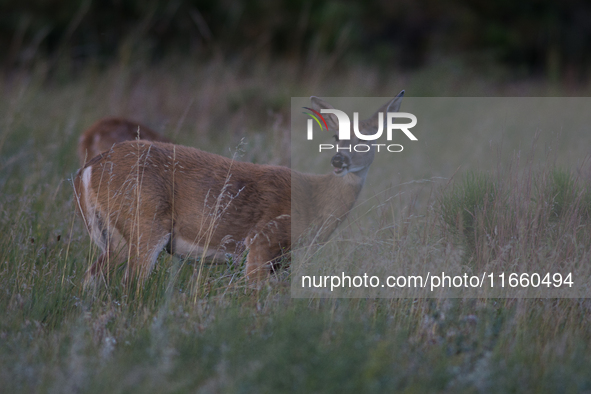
point(348, 159)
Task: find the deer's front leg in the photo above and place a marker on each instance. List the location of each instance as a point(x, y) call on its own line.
point(266, 243)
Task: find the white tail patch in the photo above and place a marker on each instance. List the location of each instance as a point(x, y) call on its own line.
point(90, 216)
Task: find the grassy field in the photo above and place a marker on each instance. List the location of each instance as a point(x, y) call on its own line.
point(176, 334)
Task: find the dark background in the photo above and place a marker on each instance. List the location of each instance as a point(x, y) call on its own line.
point(539, 38)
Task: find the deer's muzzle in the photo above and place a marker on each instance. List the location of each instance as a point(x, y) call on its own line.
point(340, 163)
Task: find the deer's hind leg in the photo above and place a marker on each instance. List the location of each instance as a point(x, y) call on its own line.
point(111, 243)
point(140, 243)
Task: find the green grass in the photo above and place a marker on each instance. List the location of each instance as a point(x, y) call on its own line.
point(472, 209)
point(538, 217)
point(174, 334)
point(566, 194)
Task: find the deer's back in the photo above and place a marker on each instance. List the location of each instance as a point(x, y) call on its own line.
point(196, 189)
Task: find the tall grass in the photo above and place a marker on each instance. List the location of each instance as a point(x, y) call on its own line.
point(538, 217)
point(55, 336)
point(471, 210)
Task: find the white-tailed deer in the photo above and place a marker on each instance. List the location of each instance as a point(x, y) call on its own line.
point(141, 197)
point(105, 133)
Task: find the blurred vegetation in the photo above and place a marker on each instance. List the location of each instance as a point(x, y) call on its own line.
point(493, 216)
point(533, 37)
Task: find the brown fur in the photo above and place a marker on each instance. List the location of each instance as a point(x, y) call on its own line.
point(105, 133)
point(141, 196)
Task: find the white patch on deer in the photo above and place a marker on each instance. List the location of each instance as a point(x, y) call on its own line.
point(90, 214)
point(187, 248)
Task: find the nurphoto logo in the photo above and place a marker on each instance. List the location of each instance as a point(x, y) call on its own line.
point(344, 132)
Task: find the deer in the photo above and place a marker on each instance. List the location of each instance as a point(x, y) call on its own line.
point(142, 197)
point(106, 132)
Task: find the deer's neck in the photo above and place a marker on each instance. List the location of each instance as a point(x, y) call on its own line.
point(323, 200)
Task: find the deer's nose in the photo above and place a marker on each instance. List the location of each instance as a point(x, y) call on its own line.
point(338, 161)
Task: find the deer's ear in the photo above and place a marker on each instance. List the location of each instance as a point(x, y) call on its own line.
point(394, 105)
point(331, 121)
point(391, 106)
